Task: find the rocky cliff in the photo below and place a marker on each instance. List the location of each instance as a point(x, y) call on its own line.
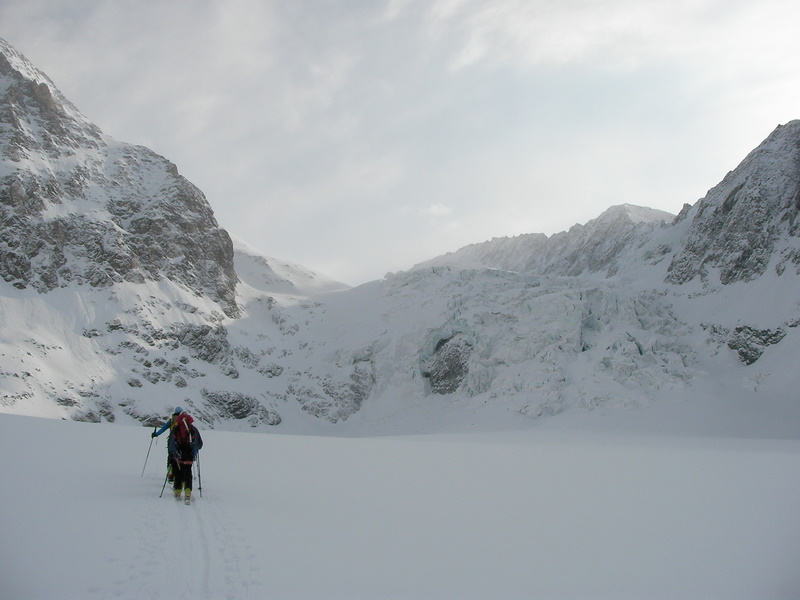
point(78, 207)
point(749, 222)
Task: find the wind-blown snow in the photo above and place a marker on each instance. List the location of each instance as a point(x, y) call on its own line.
point(272, 275)
point(583, 508)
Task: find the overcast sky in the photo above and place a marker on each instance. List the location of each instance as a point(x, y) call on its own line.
point(358, 137)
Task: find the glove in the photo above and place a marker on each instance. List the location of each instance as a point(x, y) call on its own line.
point(152, 435)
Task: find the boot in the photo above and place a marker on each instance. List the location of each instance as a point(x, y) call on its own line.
point(187, 498)
point(177, 493)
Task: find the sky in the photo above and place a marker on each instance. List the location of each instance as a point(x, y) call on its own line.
point(360, 137)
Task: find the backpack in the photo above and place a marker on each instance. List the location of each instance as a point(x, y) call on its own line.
point(182, 432)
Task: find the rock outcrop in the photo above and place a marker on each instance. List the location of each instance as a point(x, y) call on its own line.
point(77, 207)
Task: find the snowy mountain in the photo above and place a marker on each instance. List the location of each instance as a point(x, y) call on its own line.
point(121, 296)
point(589, 248)
point(80, 208)
point(117, 280)
point(746, 226)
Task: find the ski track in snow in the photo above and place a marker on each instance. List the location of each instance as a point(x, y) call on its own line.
point(198, 541)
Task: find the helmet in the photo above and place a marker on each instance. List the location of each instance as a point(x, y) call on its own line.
point(178, 410)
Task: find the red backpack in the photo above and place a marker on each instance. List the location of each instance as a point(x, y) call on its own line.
point(182, 432)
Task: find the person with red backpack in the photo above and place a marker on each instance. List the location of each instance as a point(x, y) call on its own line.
point(185, 443)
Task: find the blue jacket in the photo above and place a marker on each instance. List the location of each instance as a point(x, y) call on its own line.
point(164, 427)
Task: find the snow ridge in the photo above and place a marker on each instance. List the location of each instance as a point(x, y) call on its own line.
point(584, 249)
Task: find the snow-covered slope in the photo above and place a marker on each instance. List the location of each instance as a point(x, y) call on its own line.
point(275, 276)
point(122, 297)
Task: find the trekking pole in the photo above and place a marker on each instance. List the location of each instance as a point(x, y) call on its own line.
point(163, 486)
point(148, 452)
point(199, 477)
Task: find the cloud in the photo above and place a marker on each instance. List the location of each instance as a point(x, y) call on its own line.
point(614, 33)
point(438, 210)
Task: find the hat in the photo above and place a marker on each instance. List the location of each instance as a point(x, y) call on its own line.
point(178, 410)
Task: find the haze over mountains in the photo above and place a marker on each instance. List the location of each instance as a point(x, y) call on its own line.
point(121, 297)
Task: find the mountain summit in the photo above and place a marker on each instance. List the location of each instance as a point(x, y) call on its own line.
point(120, 297)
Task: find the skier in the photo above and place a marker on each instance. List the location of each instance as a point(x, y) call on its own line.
point(186, 443)
point(170, 424)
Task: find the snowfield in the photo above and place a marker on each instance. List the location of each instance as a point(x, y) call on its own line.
point(657, 502)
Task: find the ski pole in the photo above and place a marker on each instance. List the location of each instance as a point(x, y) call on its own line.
point(163, 486)
point(199, 477)
point(148, 452)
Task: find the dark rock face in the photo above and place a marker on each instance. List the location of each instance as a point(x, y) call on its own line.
point(737, 227)
point(750, 343)
point(449, 365)
point(77, 207)
point(237, 406)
